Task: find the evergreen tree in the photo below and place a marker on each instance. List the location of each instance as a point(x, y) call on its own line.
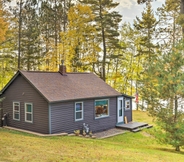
point(30, 40)
point(106, 24)
point(147, 26)
point(169, 32)
point(168, 90)
point(53, 20)
point(147, 48)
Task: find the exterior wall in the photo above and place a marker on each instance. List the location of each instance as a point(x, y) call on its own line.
point(62, 116)
point(1, 115)
point(128, 112)
point(21, 91)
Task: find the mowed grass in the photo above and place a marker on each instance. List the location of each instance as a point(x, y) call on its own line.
point(128, 147)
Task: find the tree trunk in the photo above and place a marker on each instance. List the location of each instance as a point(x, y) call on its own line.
point(177, 148)
point(182, 12)
point(104, 44)
point(20, 26)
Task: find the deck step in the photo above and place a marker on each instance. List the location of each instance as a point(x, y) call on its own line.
point(148, 126)
point(136, 130)
point(140, 128)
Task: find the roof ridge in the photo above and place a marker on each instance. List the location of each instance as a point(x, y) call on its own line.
point(38, 71)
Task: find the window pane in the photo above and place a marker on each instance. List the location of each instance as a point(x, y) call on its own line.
point(16, 115)
point(16, 108)
point(29, 108)
point(78, 115)
point(101, 108)
point(28, 117)
point(127, 104)
point(78, 106)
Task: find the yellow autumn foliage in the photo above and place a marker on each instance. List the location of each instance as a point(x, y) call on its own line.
point(3, 25)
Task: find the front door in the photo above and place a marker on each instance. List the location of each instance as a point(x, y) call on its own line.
point(120, 110)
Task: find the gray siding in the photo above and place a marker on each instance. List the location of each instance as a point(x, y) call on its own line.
point(63, 117)
point(128, 113)
point(21, 91)
point(1, 114)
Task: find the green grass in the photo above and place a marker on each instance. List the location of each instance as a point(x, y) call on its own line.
point(128, 147)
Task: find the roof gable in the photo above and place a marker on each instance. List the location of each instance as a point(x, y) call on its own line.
point(56, 87)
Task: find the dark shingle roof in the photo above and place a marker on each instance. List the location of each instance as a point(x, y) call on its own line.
point(56, 87)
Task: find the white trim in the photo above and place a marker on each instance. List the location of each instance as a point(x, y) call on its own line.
point(82, 111)
point(16, 111)
point(120, 118)
point(108, 109)
point(29, 112)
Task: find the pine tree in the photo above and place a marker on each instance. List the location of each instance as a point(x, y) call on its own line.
point(147, 49)
point(30, 37)
point(106, 24)
point(168, 90)
point(169, 32)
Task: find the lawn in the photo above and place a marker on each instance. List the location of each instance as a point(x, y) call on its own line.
point(128, 147)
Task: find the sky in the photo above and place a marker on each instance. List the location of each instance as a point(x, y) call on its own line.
point(129, 9)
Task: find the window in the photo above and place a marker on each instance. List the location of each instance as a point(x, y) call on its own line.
point(28, 112)
point(101, 108)
point(16, 110)
point(127, 103)
point(78, 111)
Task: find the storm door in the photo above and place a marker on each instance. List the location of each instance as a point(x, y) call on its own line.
point(120, 111)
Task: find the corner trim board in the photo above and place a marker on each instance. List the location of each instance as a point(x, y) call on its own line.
point(50, 129)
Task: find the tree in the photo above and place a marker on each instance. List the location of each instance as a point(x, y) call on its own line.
point(30, 37)
point(168, 91)
point(181, 19)
point(169, 31)
point(53, 20)
point(106, 23)
point(79, 40)
point(3, 24)
point(147, 48)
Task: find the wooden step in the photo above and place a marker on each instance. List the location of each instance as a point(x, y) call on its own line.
point(136, 130)
point(148, 126)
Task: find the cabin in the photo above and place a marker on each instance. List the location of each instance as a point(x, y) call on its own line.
point(61, 102)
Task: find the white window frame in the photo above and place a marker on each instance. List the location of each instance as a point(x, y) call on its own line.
point(82, 111)
point(15, 111)
point(104, 116)
point(28, 112)
point(127, 100)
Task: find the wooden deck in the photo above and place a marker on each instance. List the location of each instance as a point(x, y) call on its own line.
point(134, 126)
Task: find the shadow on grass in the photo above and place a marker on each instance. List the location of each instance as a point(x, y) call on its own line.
point(170, 150)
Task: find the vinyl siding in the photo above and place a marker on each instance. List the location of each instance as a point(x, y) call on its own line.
point(63, 116)
point(128, 112)
point(22, 91)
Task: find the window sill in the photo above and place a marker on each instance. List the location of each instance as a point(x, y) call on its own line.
point(103, 116)
point(16, 119)
point(29, 121)
point(76, 120)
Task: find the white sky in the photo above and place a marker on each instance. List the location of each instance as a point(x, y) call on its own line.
point(129, 9)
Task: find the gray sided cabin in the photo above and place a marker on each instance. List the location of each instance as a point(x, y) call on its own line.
point(56, 102)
